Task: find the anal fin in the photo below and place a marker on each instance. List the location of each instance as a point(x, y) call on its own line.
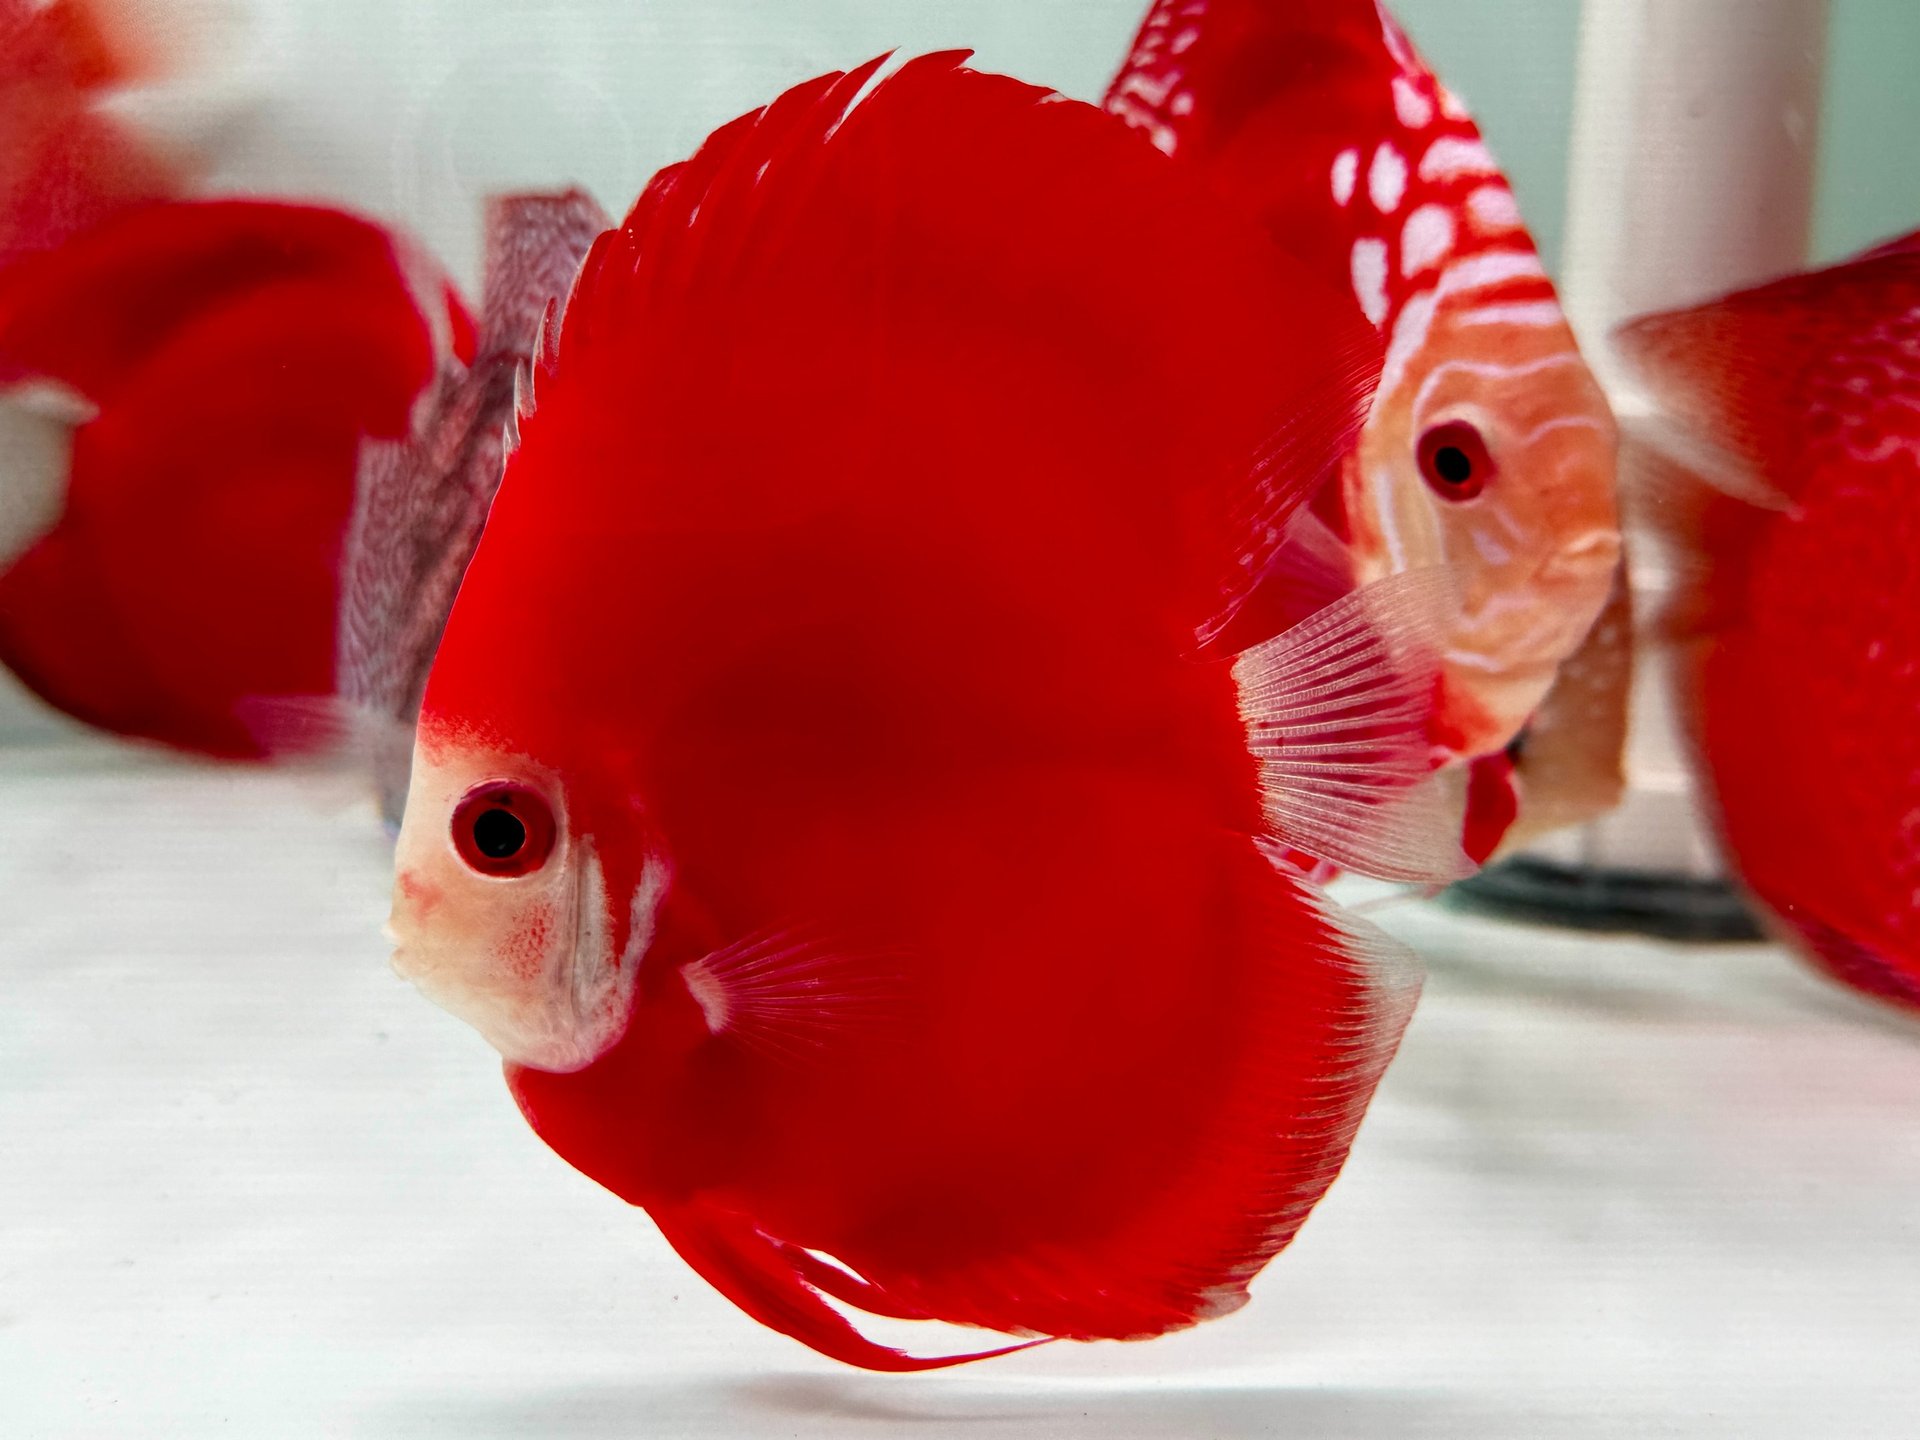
point(759, 1274)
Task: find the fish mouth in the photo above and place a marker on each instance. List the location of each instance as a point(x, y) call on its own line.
point(1538, 625)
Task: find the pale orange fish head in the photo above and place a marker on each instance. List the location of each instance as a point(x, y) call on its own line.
point(1490, 450)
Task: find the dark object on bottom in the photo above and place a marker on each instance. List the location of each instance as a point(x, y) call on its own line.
point(1669, 907)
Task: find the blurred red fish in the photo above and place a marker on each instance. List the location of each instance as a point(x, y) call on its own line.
point(199, 378)
point(819, 798)
point(1799, 405)
point(1489, 447)
point(66, 162)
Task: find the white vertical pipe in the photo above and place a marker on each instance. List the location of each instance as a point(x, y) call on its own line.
point(1694, 140)
point(1692, 173)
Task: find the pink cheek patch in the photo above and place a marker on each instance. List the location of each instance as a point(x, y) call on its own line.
point(525, 949)
point(422, 895)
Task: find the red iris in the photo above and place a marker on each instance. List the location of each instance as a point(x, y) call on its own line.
point(1454, 460)
point(503, 829)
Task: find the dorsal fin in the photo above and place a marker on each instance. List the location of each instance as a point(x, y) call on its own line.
point(421, 500)
point(1321, 118)
point(534, 244)
point(713, 230)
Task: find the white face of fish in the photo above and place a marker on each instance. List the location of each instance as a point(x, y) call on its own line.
point(500, 912)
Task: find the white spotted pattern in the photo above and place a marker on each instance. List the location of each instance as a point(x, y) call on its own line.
point(1346, 175)
point(1410, 329)
point(1425, 240)
point(1493, 208)
point(1413, 107)
point(1387, 179)
point(1370, 277)
point(1435, 200)
point(1450, 157)
point(1150, 94)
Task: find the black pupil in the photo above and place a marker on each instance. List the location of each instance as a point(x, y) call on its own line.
point(1453, 465)
point(498, 834)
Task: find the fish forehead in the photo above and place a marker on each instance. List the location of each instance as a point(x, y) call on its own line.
point(1520, 360)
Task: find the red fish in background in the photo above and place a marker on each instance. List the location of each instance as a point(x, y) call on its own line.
point(1490, 447)
point(820, 798)
point(214, 367)
point(66, 163)
point(1795, 492)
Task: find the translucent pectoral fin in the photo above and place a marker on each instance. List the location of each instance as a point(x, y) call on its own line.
point(1337, 713)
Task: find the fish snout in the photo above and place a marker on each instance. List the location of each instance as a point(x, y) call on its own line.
point(414, 899)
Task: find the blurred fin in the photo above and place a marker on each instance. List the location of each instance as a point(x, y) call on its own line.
point(422, 501)
point(1736, 373)
point(1270, 538)
point(321, 726)
point(37, 422)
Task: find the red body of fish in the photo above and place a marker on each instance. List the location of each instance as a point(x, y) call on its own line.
point(848, 577)
point(1806, 676)
point(227, 358)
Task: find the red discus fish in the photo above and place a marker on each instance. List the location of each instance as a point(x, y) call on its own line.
point(199, 377)
point(1489, 447)
point(819, 797)
point(1799, 404)
point(65, 162)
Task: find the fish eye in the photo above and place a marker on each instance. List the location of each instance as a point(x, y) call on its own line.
point(503, 830)
point(1454, 461)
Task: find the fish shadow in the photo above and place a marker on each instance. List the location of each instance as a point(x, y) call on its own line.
point(806, 1405)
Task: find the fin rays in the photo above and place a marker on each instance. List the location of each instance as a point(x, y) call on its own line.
point(1335, 711)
